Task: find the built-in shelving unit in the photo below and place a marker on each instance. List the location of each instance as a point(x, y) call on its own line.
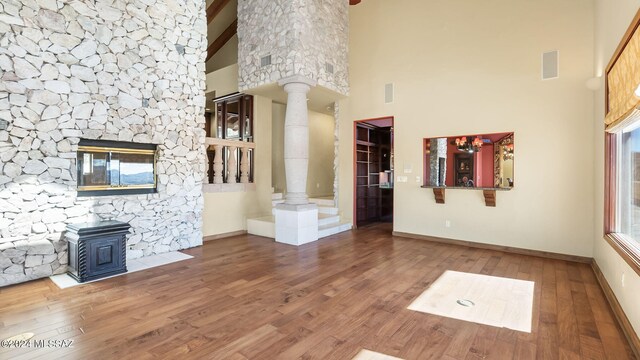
point(373, 147)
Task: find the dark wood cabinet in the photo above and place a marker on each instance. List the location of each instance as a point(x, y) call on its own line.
point(234, 116)
point(233, 121)
point(97, 249)
point(208, 120)
point(463, 166)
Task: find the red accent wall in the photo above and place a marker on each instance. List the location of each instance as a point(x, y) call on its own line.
point(426, 160)
point(487, 166)
point(477, 169)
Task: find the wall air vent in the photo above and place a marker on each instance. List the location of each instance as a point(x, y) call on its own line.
point(329, 68)
point(388, 93)
point(265, 61)
point(550, 65)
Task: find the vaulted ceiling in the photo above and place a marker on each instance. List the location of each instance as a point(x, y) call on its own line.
point(221, 33)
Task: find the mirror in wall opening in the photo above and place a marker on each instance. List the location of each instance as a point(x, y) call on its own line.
point(479, 161)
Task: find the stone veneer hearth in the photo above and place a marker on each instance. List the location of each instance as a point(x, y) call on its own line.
point(127, 70)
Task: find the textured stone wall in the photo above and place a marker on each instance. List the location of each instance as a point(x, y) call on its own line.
point(302, 36)
point(438, 151)
point(128, 70)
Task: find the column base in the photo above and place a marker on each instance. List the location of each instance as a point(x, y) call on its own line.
point(296, 224)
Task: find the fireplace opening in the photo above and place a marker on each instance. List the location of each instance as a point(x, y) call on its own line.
point(115, 168)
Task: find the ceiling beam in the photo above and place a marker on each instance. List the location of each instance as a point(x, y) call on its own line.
point(226, 35)
point(214, 9)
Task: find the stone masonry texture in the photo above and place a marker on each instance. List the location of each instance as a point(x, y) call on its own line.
point(127, 70)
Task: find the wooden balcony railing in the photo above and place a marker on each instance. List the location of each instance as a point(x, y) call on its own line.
point(229, 161)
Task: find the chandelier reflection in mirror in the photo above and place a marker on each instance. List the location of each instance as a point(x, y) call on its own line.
point(507, 152)
point(467, 145)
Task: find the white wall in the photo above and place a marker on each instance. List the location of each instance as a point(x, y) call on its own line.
point(469, 67)
point(612, 19)
point(226, 56)
point(223, 81)
point(228, 212)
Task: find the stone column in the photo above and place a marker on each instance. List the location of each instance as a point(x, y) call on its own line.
point(296, 139)
point(296, 219)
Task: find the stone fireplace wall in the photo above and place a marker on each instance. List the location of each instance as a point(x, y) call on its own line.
point(128, 70)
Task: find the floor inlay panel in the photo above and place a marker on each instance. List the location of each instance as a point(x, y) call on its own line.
point(483, 299)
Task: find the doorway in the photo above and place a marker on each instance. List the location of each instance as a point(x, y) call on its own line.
point(373, 171)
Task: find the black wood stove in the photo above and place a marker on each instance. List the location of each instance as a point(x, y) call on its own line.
point(97, 249)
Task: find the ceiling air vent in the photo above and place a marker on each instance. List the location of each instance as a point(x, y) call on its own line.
point(550, 65)
point(388, 93)
point(265, 61)
point(329, 68)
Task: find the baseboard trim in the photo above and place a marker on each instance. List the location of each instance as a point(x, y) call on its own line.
point(224, 235)
point(621, 317)
point(507, 249)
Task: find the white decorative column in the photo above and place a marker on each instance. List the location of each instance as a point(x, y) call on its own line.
point(296, 218)
point(244, 165)
point(217, 165)
point(232, 171)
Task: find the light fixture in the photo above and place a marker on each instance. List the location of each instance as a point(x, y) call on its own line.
point(467, 145)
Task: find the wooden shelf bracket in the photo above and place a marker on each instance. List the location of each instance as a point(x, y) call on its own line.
point(489, 197)
point(439, 194)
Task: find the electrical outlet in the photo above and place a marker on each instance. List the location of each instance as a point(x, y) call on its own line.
point(447, 223)
point(401, 179)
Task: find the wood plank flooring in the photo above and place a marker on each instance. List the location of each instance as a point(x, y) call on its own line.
point(249, 298)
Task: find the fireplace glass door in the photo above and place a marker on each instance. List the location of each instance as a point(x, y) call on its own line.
point(104, 170)
point(129, 170)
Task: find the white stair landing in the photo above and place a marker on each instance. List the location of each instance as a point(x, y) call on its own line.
point(262, 226)
point(328, 225)
point(325, 205)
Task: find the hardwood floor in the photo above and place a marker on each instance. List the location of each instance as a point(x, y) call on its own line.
point(249, 298)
